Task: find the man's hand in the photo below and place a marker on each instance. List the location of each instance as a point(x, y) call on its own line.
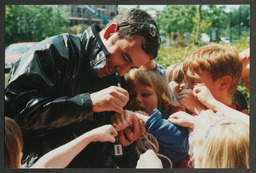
point(110, 99)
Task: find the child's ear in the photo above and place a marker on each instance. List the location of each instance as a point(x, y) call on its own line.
point(225, 82)
point(110, 30)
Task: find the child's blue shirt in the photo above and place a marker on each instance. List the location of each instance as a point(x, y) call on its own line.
point(172, 139)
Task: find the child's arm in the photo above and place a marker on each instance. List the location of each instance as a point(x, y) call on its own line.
point(245, 59)
point(63, 155)
point(182, 119)
point(205, 97)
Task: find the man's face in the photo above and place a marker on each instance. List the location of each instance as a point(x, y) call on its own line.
point(143, 98)
point(205, 79)
point(124, 55)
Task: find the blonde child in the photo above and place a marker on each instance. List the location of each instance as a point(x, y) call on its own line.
point(217, 141)
point(147, 91)
point(175, 77)
point(57, 158)
point(220, 136)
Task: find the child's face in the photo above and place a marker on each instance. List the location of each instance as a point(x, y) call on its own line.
point(176, 85)
point(143, 98)
point(194, 79)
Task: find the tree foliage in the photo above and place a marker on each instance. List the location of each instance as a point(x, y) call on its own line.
point(176, 18)
point(198, 19)
point(33, 22)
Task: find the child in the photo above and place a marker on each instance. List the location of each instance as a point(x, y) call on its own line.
point(215, 66)
point(147, 90)
point(218, 140)
point(57, 158)
point(175, 77)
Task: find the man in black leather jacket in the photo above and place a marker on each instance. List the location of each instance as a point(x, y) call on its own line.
point(66, 85)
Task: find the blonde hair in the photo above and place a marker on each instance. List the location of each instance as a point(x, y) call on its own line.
point(218, 142)
point(218, 61)
point(174, 72)
point(13, 144)
point(152, 79)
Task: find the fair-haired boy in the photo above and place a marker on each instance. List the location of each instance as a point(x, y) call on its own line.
point(217, 67)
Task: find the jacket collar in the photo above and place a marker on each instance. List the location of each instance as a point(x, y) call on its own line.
point(95, 50)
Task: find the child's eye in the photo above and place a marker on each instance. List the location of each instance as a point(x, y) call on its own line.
point(178, 80)
point(146, 95)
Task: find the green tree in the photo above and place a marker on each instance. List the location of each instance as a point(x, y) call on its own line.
point(33, 22)
point(241, 16)
point(176, 18)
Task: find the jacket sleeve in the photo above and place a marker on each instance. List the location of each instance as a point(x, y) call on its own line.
point(34, 94)
point(170, 134)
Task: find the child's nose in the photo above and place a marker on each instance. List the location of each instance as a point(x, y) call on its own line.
point(138, 99)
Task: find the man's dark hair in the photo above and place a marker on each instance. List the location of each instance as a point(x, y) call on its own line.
point(138, 22)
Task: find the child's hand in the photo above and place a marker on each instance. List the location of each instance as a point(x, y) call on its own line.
point(128, 135)
point(182, 119)
point(104, 133)
point(245, 57)
point(187, 99)
point(149, 159)
point(246, 77)
point(204, 95)
point(123, 120)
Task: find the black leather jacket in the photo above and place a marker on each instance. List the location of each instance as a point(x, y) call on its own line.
point(48, 95)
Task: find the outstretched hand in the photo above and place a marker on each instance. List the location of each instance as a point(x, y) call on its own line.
point(123, 120)
point(182, 119)
point(245, 59)
point(104, 133)
point(129, 135)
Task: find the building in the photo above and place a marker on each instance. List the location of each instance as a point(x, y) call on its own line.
point(80, 14)
point(85, 14)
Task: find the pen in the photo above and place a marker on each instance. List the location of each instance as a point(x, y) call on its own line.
point(118, 80)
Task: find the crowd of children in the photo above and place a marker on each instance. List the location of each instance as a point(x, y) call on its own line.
point(202, 119)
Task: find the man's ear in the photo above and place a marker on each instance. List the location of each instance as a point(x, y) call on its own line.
point(225, 82)
point(110, 30)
